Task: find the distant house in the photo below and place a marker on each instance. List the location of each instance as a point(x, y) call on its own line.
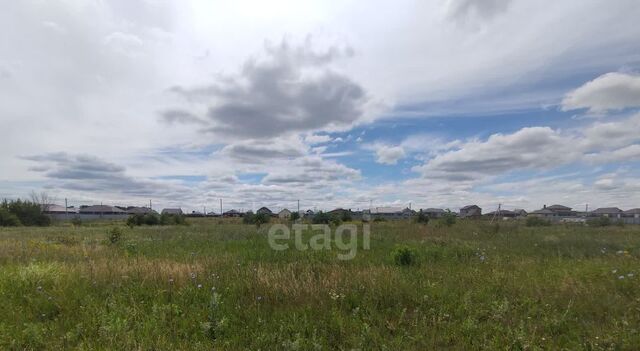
point(232, 213)
point(308, 214)
point(264, 210)
point(284, 214)
point(195, 214)
point(434, 212)
point(635, 213)
point(132, 210)
point(502, 214)
point(172, 211)
point(57, 209)
point(554, 211)
point(101, 210)
point(561, 211)
point(611, 212)
point(389, 213)
point(470, 211)
point(520, 212)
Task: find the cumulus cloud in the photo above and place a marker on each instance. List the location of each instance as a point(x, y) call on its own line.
point(487, 9)
point(611, 91)
point(260, 151)
point(290, 89)
point(535, 147)
point(312, 171)
point(317, 138)
point(88, 173)
point(389, 155)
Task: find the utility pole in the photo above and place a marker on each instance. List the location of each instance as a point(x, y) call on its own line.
point(66, 213)
point(220, 207)
point(298, 206)
point(497, 213)
point(150, 208)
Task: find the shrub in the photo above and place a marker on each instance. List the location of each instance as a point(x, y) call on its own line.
point(599, 222)
point(379, 219)
point(114, 234)
point(77, 221)
point(421, 218)
point(448, 219)
point(346, 216)
point(151, 219)
point(172, 219)
point(295, 216)
point(335, 220)
point(257, 219)
point(28, 213)
point(404, 256)
point(8, 219)
point(249, 218)
point(533, 221)
point(321, 218)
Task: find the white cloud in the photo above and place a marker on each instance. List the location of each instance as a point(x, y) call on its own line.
point(611, 91)
point(388, 155)
point(317, 138)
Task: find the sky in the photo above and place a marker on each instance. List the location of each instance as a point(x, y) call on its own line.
point(352, 104)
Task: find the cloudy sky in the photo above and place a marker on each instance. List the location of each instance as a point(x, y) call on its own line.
point(440, 103)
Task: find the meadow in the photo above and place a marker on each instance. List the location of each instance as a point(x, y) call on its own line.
point(217, 284)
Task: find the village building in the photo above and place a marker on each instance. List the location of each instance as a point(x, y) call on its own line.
point(264, 210)
point(172, 211)
point(434, 212)
point(284, 214)
point(610, 212)
point(470, 211)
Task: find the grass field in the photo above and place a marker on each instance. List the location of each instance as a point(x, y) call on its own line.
point(218, 285)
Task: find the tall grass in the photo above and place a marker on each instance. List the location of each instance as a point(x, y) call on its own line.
point(219, 285)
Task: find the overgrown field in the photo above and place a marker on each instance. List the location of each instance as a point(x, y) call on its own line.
point(218, 285)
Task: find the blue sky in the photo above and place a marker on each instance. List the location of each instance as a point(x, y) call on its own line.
point(450, 103)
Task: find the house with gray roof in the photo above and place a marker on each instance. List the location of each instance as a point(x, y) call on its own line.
point(610, 212)
point(470, 211)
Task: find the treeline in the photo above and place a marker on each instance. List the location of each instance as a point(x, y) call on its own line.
point(155, 219)
point(22, 213)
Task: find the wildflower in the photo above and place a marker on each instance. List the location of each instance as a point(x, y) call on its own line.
point(259, 298)
point(39, 288)
point(199, 286)
point(621, 277)
point(193, 276)
point(630, 275)
point(619, 252)
point(614, 271)
point(170, 280)
point(482, 258)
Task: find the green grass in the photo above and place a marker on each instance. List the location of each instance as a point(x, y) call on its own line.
point(472, 286)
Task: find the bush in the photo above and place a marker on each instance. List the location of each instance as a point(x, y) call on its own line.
point(599, 222)
point(533, 221)
point(448, 219)
point(346, 216)
point(404, 256)
point(114, 234)
point(379, 219)
point(295, 216)
point(257, 219)
point(172, 219)
point(321, 218)
point(77, 221)
point(421, 218)
point(28, 213)
point(8, 219)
